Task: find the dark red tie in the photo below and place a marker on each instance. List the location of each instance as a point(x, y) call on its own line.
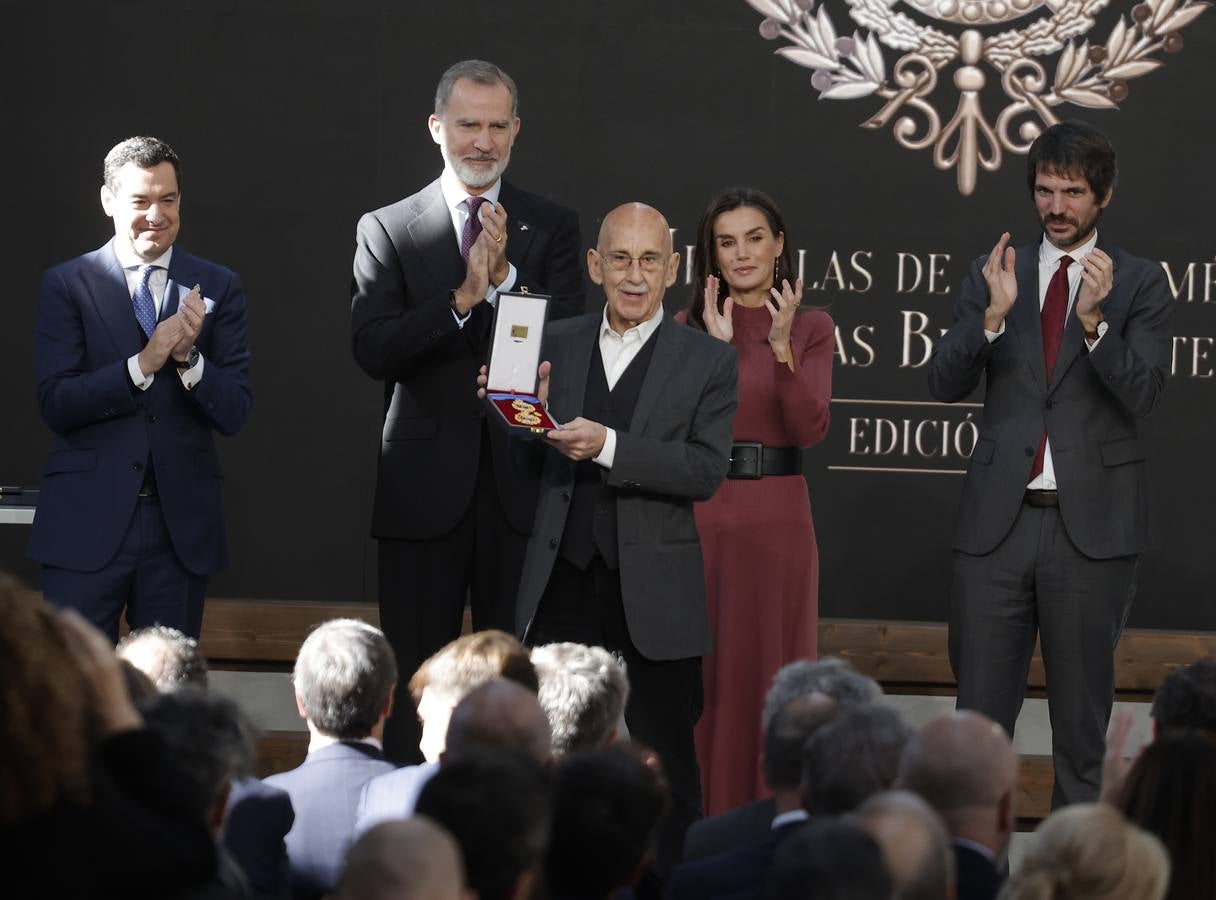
point(1055, 310)
point(472, 226)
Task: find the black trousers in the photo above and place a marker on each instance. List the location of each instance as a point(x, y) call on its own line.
point(665, 696)
point(1036, 580)
point(424, 585)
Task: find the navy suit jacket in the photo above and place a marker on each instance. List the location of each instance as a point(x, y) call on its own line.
point(325, 792)
point(978, 878)
point(392, 796)
point(255, 827)
point(107, 431)
point(740, 874)
point(744, 826)
point(1091, 409)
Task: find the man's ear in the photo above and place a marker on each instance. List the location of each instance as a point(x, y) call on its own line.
point(673, 270)
point(107, 200)
point(595, 266)
point(436, 128)
point(388, 706)
point(300, 706)
point(1006, 821)
point(219, 808)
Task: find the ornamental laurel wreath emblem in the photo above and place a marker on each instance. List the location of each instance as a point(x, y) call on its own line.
point(1093, 75)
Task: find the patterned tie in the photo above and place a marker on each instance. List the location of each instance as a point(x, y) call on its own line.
point(145, 306)
point(472, 227)
point(1055, 310)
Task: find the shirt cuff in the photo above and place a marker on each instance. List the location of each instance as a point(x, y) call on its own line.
point(137, 374)
point(193, 375)
point(460, 320)
point(608, 452)
point(991, 336)
point(508, 283)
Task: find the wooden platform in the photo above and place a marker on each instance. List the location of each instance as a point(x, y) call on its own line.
point(905, 657)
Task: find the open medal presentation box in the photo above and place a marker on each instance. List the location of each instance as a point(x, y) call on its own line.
point(511, 380)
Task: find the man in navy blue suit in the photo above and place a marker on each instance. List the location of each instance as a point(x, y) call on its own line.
point(140, 355)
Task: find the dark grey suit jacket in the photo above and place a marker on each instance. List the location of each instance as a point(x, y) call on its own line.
point(743, 826)
point(1091, 410)
point(675, 451)
point(403, 333)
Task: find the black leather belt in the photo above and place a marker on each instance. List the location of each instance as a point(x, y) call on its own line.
point(751, 459)
point(1042, 499)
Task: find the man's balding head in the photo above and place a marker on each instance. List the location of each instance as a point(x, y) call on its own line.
point(634, 263)
point(914, 845)
point(499, 715)
point(965, 767)
point(413, 859)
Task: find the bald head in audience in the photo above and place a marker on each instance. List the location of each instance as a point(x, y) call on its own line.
point(413, 859)
point(499, 715)
point(914, 845)
point(965, 767)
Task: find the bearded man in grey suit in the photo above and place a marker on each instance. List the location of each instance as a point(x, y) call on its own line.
point(450, 518)
point(614, 559)
point(1072, 334)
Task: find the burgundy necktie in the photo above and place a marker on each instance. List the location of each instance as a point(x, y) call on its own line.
point(472, 226)
point(1055, 310)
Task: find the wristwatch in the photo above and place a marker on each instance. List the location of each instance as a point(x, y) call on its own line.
point(190, 361)
point(1098, 331)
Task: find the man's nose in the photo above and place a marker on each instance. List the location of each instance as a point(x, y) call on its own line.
point(482, 140)
point(153, 215)
point(1057, 204)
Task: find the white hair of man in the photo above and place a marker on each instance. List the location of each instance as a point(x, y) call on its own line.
point(583, 691)
point(168, 657)
point(344, 678)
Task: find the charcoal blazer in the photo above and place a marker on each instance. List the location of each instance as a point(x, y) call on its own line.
point(404, 334)
point(106, 431)
point(675, 451)
point(1091, 409)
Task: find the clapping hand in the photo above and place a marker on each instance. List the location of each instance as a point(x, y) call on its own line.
point(718, 324)
point(1002, 283)
point(783, 308)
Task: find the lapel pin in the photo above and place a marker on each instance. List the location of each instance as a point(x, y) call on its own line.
point(523, 226)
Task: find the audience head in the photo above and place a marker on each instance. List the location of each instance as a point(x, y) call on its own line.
point(787, 734)
point(830, 675)
point(497, 807)
point(1089, 851)
point(170, 658)
point(446, 677)
point(1171, 793)
point(496, 716)
point(634, 263)
point(854, 755)
point(43, 707)
point(915, 846)
point(829, 859)
point(211, 741)
point(475, 122)
point(606, 808)
point(344, 678)
point(1187, 699)
point(412, 859)
point(965, 767)
point(583, 691)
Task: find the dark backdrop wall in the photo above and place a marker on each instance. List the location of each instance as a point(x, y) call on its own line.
point(292, 117)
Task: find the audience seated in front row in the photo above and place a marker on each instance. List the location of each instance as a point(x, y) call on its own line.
point(852, 757)
point(915, 846)
point(830, 859)
point(412, 859)
point(167, 656)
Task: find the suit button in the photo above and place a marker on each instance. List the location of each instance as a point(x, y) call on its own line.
point(138, 467)
point(1030, 451)
point(152, 419)
point(566, 496)
point(1049, 404)
point(552, 543)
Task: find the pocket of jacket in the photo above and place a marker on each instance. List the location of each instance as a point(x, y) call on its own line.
point(1124, 450)
point(60, 461)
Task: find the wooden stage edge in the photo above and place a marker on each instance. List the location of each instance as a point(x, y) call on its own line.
point(905, 657)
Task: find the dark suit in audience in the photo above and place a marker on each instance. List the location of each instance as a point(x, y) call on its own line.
point(734, 875)
point(258, 820)
point(978, 877)
point(746, 826)
point(392, 795)
point(324, 792)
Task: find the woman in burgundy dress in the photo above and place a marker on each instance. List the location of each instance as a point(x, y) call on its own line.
point(761, 562)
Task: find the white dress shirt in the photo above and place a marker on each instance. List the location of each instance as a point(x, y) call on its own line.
point(157, 282)
point(454, 196)
point(1049, 262)
point(617, 351)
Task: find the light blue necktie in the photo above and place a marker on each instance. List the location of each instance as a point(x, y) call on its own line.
point(145, 306)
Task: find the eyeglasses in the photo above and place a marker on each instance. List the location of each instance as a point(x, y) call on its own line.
point(622, 262)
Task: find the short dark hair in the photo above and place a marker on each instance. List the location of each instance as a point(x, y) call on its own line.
point(606, 807)
point(478, 71)
point(145, 152)
point(787, 735)
point(344, 673)
point(829, 859)
point(497, 806)
point(208, 737)
point(1187, 698)
point(1074, 148)
point(851, 758)
point(174, 660)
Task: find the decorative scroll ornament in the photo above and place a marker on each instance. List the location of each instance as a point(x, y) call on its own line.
point(1092, 75)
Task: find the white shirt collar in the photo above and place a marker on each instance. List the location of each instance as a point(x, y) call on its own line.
point(128, 260)
point(786, 818)
point(320, 741)
point(1049, 253)
point(454, 193)
point(643, 331)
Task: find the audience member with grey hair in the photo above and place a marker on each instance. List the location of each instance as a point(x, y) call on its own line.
point(212, 742)
point(345, 676)
point(830, 675)
point(964, 766)
point(583, 691)
point(413, 859)
point(915, 846)
point(852, 757)
point(167, 656)
point(830, 859)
